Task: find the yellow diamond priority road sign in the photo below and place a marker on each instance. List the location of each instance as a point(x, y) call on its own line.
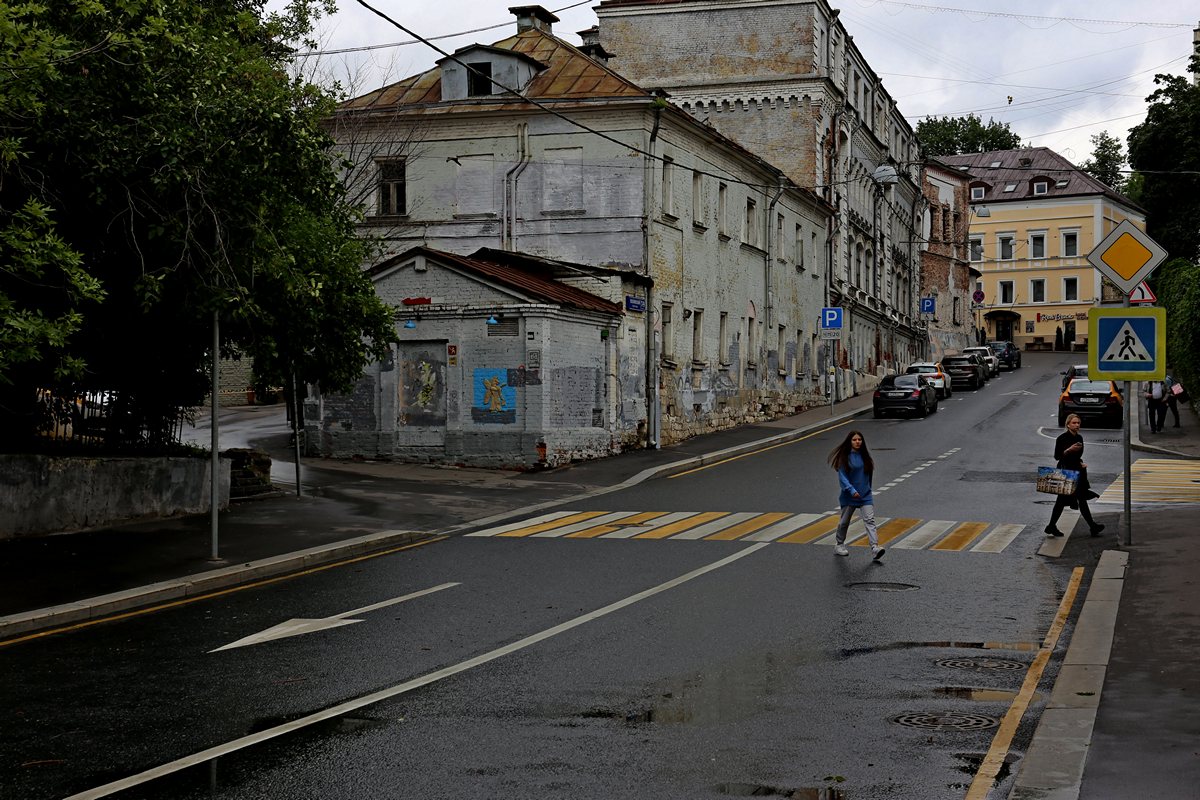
point(1126, 256)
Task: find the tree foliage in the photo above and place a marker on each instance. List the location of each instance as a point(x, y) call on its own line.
point(944, 136)
point(159, 165)
point(1107, 161)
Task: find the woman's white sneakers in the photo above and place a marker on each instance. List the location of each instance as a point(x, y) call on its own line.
point(841, 550)
point(877, 553)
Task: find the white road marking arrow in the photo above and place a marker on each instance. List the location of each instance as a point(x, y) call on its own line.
point(296, 627)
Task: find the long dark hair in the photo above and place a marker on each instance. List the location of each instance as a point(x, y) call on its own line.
point(839, 457)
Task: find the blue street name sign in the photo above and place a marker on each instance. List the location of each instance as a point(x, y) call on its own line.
point(635, 303)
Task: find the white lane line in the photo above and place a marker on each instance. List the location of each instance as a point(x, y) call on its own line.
point(386, 694)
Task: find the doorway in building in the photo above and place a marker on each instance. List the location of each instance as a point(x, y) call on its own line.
point(1004, 330)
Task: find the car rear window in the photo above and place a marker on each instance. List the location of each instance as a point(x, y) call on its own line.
point(908, 381)
point(915, 368)
point(957, 360)
point(1084, 385)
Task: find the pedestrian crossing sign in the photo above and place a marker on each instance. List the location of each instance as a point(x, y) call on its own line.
point(1127, 344)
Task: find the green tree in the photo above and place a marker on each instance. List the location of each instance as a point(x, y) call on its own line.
point(1107, 161)
point(944, 136)
point(188, 173)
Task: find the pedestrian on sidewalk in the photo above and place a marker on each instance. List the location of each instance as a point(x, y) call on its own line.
point(1156, 405)
point(852, 461)
point(1068, 452)
point(1170, 392)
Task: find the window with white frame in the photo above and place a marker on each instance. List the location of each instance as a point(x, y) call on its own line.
point(750, 232)
point(668, 182)
point(976, 248)
point(1006, 292)
point(668, 331)
point(392, 189)
point(723, 339)
point(1070, 289)
point(1006, 247)
point(1037, 245)
point(723, 209)
point(1070, 244)
point(698, 334)
point(697, 197)
point(977, 192)
point(1037, 290)
point(1041, 187)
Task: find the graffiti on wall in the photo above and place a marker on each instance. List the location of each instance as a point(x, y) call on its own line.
point(422, 386)
point(494, 397)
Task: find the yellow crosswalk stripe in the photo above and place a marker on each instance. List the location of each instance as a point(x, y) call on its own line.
point(888, 531)
point(600, 530)
point(749, 526)
point(682, 525)
point(814, 531)
point(558, 523)
point(961, 536)
point(1157, 480)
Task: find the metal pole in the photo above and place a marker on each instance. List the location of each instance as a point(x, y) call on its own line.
point(1126, 454)
point(215, 480)
point(296, 427)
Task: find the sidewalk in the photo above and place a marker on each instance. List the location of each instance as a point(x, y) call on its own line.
point(1123, 719)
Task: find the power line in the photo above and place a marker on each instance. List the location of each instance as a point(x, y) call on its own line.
point(968, 12)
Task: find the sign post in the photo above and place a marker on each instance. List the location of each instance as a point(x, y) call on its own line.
point(831, 330)
point(1127, 344)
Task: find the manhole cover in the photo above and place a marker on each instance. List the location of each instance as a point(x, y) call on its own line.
point(879, 586)
point(946, 721)
point(979, 663)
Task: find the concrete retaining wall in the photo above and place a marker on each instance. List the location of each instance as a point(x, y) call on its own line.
point(41, 495)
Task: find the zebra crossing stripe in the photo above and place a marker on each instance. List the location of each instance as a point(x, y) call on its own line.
point(745, 522)
point(1000, 538)
point(961, 536)
point(665, 519)
point(516, 526)
point(623, 524)
point(813, 531)
point(682, 525)
point(566, 530)
point(856, 532)
point(925, 535)
point(890, 530)
point(793, 523)
point(556, 523)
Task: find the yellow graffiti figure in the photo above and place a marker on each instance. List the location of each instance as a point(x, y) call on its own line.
point(428, 382)
point(491, 394)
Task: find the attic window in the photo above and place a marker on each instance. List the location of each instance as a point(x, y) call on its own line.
point(1041, 187)
point(994, 165)
point(479, 79)
point(1010, 187)
point(977, 192)
point(1060, 184)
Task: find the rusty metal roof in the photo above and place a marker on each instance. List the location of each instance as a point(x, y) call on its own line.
point(509, 272)
point(1000, 169)
point(569, 75)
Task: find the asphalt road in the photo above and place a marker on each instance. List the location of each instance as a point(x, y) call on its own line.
point(596, 668)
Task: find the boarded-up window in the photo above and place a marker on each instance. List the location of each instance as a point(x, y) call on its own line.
point(562, 180)
point(475, 184)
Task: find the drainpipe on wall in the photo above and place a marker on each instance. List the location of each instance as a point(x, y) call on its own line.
point(771, 250)
point(508, 221)
point(653, 413)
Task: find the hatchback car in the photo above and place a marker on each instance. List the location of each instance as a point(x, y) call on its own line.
point(910, 393)
point(1091, 400)
point(1070, 373)
point(989, 358)
point(934, 373)
point(1007, 353)
point(964, 370)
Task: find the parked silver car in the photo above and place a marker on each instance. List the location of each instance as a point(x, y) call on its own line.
point(989, 359)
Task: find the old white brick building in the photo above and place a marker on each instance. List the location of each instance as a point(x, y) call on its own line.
point(600, 173)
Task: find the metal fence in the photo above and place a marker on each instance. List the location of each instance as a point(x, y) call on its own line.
point(96, 421)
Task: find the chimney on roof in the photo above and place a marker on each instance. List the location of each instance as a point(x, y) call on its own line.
point(529, 17)
point(591, 45)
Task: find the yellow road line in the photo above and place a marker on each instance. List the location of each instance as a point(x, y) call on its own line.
point(582, 516)
point(989, 768)
point(682, 525)
point(961, 536)
point(219, 593)
point(749, 526)
point(600, 530)
point(892, 529)
point(814, 531)
point(762, 450)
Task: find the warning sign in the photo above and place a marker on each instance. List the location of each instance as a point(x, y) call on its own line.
point(1126, 346)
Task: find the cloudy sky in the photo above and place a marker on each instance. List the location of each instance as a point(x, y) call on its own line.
point(1057, 72)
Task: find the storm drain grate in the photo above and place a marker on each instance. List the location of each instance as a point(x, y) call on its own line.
point(879, 586)
point(979, 663)
point(946, 721)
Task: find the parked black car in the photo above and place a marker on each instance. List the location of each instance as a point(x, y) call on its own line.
point(1008, 354)
point(1072, 372)
point(1098, 400)
point(965, 370)
point(911, 393)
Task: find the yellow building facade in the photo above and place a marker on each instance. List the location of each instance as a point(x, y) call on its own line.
point(1034, 219)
